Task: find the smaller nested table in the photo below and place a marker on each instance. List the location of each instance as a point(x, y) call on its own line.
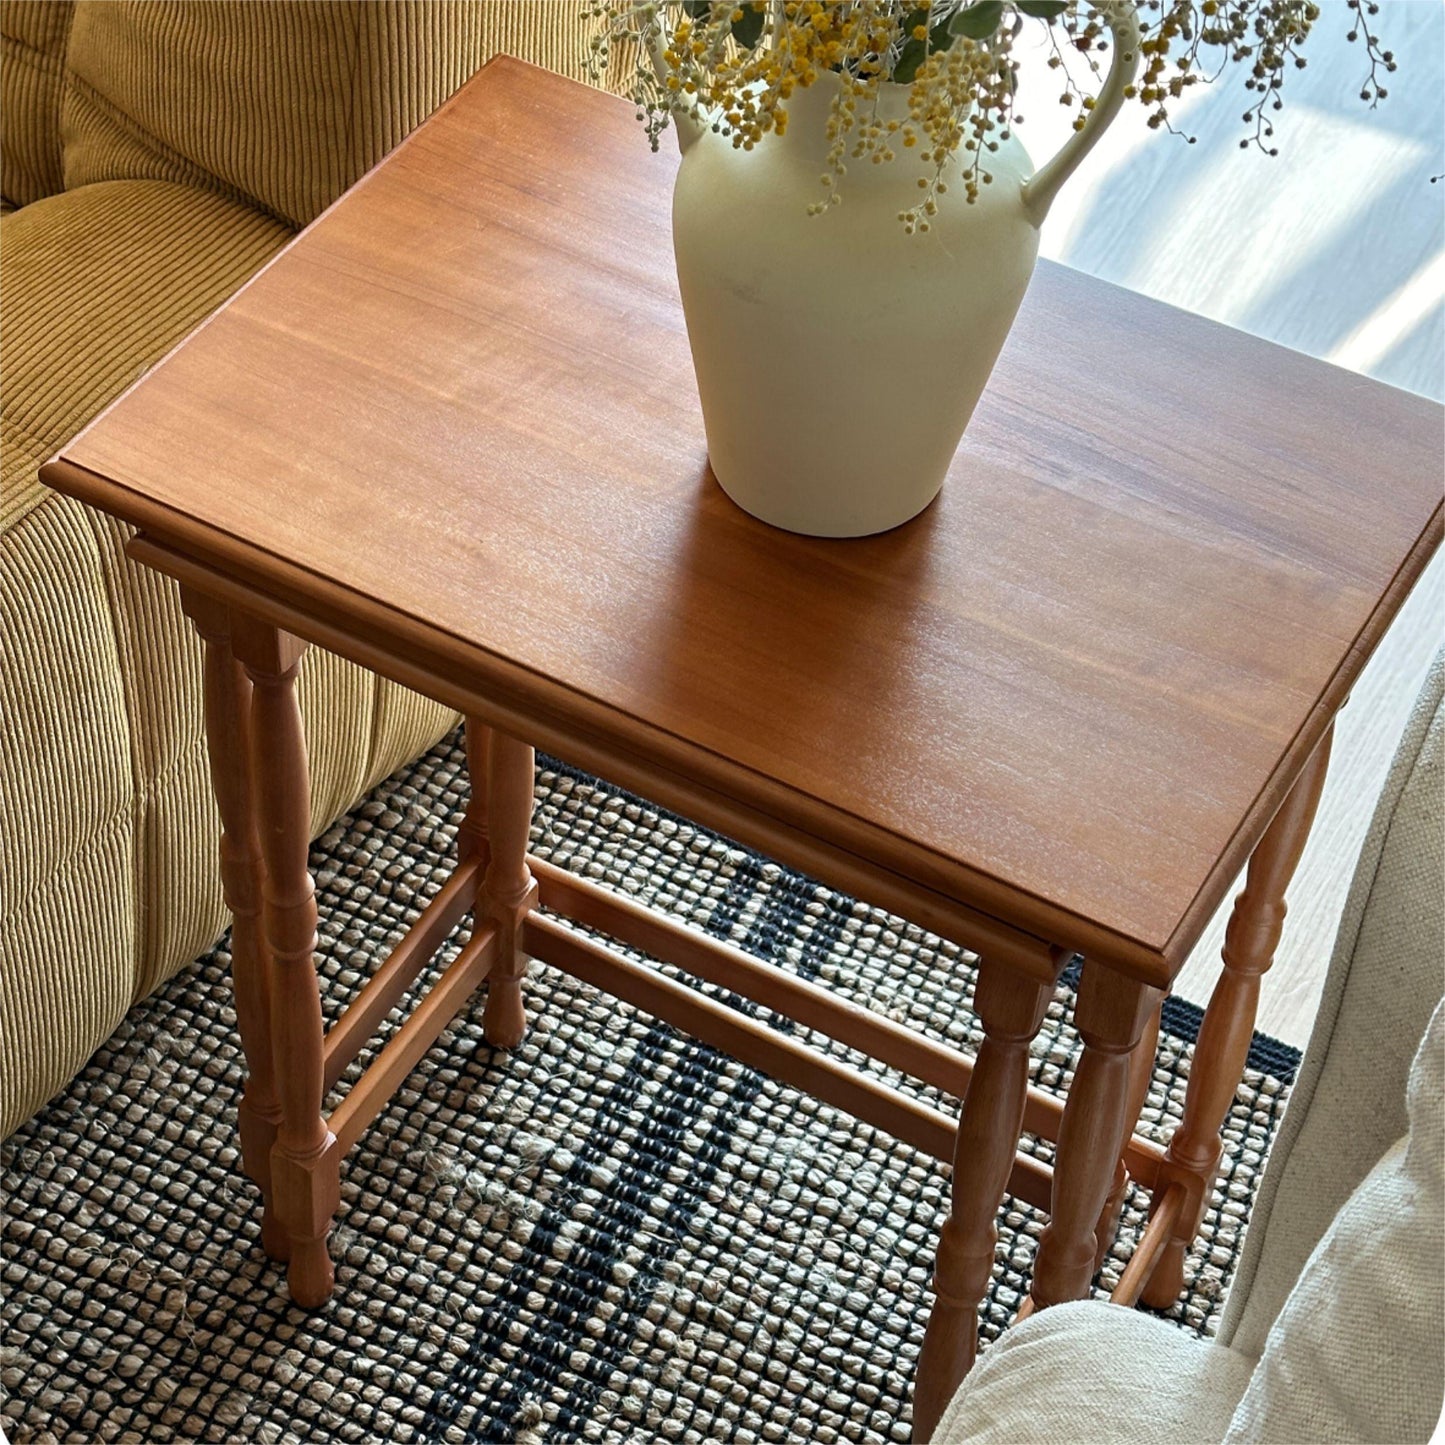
point(451, 433)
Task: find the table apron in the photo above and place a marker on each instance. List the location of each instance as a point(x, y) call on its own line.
point(848, 872)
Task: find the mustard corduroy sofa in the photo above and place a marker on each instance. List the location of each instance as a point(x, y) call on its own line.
point(152, 156)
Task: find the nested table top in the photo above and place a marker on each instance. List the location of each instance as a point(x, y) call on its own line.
point(1071, 694)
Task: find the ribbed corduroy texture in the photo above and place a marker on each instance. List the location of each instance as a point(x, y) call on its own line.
point(98, 284)
point(32, 60)
point(109, 840)
point(68, 926)
point(110, 835)
point(194, 137)
point(301, 97)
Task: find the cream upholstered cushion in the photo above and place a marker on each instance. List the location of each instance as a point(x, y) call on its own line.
point(1358, 1351)
point(1091, 1372)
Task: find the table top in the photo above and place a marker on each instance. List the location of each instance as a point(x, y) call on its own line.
point(1071, 694)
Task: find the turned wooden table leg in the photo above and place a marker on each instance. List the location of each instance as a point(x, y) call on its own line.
point(1111, 1013)
point(1255, 926)
point(1141, 1074)
point(305, 1159)
point(472, 836)
point(228, 741)
point(509, 891)
point(1011, 1007)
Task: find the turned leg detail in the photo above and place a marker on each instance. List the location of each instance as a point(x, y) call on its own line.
point(305, 1159)
point(1011, 1007)
point(1141, 1074)
point(509, 891)
point(1111, 1013)
point(472, 836)
point(228, 740)
point(1250, 941)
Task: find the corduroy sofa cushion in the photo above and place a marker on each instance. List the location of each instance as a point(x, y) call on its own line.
point(33, 37)
point(98, 284)
point(299, 97)
point(110, 829)
point(194, 137)
point(68, 928)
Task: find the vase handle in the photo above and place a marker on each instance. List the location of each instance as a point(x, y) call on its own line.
point(1041, 188)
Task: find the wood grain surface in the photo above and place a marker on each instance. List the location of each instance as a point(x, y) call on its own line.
point(1071, 694)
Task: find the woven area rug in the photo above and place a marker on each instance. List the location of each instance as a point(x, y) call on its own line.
point(613, 1234)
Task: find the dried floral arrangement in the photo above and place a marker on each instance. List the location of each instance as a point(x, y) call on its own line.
point(733, 65)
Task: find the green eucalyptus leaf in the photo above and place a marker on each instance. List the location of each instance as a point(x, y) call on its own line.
point(749, 30)
point(914, 51)
point(979, 21)
point(1042, 9)
point(696, 9)
point(905, 68)
point(912, 55)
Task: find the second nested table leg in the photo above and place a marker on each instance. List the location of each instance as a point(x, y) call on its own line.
point(228, 742)
point(306, 1159)
point(1222, 1049)
point(509, 891)
point(1111, 1013)
point(1141, 1075)
point(1011, 1008)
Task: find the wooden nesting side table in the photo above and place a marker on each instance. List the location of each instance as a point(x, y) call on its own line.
point(451, 433)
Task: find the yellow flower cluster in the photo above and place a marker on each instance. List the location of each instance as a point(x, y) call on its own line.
point(733, 65)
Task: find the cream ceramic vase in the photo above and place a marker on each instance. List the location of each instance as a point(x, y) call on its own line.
point(839, 358)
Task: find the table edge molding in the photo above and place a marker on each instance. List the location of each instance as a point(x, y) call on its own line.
point(1312, 730)
point(172, 540)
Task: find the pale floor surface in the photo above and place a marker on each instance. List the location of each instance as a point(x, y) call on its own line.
point(1335, 247)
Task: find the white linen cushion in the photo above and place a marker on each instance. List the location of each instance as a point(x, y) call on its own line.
point(1090, 1372)
point(1358, 1351)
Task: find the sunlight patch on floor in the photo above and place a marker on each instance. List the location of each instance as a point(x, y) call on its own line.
point(1374, 338)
